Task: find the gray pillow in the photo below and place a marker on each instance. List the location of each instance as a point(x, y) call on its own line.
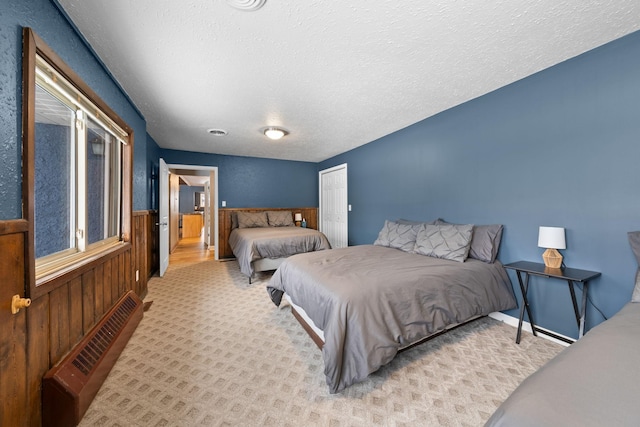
point(447, 241)
point(234, 220)
point(399, 236)
point(252, 219)
point(280, 218)
point(485, 241)
point(409, 222)
point(635, 296)
point(634, 241)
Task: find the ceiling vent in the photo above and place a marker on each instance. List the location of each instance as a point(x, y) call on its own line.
point(246, 5)
point(217, 132)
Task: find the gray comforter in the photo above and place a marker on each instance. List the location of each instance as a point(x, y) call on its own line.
point(594, 382)
point(250, 244)
point(370, 301)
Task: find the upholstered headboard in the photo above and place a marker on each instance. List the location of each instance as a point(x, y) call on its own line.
point(225, 220)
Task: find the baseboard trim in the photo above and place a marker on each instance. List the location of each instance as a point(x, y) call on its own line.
point(526, 326)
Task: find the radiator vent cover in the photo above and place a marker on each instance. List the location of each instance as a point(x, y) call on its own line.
point(70, 386)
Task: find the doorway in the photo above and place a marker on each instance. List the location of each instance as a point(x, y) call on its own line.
point(205, 176)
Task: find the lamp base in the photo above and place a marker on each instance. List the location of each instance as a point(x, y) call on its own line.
point(552, 258)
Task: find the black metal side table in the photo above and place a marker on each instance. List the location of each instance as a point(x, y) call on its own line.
point(571, 275)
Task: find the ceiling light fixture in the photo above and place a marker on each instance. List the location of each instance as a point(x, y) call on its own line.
point(246, 5)
point(217, 132)
point(275, 133)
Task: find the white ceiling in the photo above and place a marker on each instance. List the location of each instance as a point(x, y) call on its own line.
point(336, 74)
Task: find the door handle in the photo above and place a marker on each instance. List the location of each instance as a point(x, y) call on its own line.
point(17, 303)
point(161, 223)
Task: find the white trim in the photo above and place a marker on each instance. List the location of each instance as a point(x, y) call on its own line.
point(526, 326)
point(81, 171)
point(304, 315)
point(334, 168)
point(213, 203)
point(342, 166)
point(66, 88)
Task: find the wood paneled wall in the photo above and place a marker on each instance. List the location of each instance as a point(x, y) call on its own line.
point(38, 337)
point(145, 249)
point(13, 327)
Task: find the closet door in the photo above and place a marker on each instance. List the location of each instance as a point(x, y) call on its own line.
point(334, 205)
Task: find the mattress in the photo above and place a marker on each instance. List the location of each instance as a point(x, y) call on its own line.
point(593, 382)
point(370, 301)
point(251, 244)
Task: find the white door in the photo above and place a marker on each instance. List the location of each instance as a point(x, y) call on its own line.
point(163, 216)
point(334, 205)
point(213, 211)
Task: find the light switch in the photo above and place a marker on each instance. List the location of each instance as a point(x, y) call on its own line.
point(224, 203)
point(349, 208)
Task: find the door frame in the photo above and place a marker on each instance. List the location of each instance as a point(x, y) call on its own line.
point(346, 207)
point(163, 216)
point(214, 202)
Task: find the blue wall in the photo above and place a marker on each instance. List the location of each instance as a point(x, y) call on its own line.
point(559, 148)
point(52, 158)
point(153, 165)
point(46, 20)
point(255, 182)
point(187, 198)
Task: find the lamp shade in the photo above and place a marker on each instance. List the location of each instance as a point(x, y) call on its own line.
point(297, 217)
point(551, 238)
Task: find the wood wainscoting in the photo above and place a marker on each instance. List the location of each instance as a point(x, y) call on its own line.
point(39, 336)
point(145, 249)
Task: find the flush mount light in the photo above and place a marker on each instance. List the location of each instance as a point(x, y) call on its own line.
point(275, 133)
point(246, 5)
point(217, 132)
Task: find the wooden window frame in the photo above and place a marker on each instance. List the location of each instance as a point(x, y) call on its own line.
point(32, 45)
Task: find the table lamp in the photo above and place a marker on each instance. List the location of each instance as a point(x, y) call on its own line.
point(297, 218)
point(552, 238)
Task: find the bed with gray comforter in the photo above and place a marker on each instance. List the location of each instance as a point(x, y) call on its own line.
point(594, 382)
point(251, 244)
point(370, 301)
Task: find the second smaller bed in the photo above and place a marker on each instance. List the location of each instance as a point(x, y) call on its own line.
point(261, 241)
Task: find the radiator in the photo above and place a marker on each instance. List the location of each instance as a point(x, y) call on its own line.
point(70, 386)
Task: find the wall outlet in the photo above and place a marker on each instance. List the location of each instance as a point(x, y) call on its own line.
point(224, 203)
point(137, 275)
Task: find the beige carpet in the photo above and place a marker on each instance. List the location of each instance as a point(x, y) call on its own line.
point(213, 350)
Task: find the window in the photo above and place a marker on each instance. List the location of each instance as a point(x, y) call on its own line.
point(77, 173)
point(78, 164)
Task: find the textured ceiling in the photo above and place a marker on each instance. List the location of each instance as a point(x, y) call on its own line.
point(336, 74)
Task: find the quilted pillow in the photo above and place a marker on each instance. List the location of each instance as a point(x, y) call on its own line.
point(409, 222)
point(485, 241)
point(399, 236)
point(634, 241)
point(252, 219)
point(447, 241)
point(280, 218)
